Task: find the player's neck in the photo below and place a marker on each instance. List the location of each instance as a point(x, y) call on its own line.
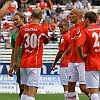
point(92, 24)
point(77, 22)
point(35, 22)
point(18, 28)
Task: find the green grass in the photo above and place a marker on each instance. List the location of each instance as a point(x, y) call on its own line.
point(40, 97)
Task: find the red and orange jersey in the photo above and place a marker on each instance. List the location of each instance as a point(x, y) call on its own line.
point(91, 40)
point(32, 37)
point(65, 42)
point(75, 34)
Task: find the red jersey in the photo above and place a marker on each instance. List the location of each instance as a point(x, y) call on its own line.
point(75, 34)
point(42, 5)
point(6, 26)
point(11, 9)
point(30, 9)
point(53, 26)
point(91, 40)
point(32, 37)
point(45, 25)
point(65, 42)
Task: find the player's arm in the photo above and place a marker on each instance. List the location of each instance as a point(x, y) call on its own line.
point(16, 50)
point(58, 56)
point(46, 38)
point(15, 63)
point(11, 64)
point(68, 51)
point(80, 52)
point(12, 56)
point(80, 44)
point(4, 8)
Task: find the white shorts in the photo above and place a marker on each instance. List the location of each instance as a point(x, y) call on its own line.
point(30, 76)
point(92, 79)
point(76, 72)
point(64, 76)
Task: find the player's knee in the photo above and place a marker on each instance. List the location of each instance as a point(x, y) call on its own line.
point(71, 87)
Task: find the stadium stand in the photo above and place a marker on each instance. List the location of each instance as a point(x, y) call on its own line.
point(50, 50)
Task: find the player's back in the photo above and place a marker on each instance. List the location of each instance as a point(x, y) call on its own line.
point(32, 37)
point(93, 47)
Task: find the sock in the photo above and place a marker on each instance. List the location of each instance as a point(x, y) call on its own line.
point(71, 96)
point(23, 97)
point(21, 91)
point(30, 98)
point(77, 98)
point(95, 96)
point(65, 95)
point(99, 95)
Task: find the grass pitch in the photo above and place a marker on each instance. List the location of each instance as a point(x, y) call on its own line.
point(4, 96)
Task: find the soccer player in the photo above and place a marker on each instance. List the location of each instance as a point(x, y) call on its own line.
point(4, 8)
point(18, 20)
point(90, 38)
point(65, 42)
point(76, 66)
point(31, 37)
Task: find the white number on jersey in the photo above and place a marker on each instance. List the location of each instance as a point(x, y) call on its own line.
point(30, 40)
point(96, 43)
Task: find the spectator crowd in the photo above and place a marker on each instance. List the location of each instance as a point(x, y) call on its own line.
point(52, 16)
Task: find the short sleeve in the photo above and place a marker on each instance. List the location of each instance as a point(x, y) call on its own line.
point(12, 41)
point(62, 43)
point(19, 38)
point(82, 38)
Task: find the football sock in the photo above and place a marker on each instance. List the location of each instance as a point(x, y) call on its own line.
point(71, 96)
point(77, 98)
point(29, 98)
point(95, 96)
point(65, 95)
point(23, 97)
point(99, 95)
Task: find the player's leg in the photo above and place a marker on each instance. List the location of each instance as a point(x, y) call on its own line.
point(21, 86)
point(33, 81)
point(82, 80)
point(72, 79)
point(23, 74)
point(92, 83)
point(64, 80)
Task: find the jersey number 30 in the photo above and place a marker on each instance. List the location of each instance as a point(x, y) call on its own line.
point(31, 40)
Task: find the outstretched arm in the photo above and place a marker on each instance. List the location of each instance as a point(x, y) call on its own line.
point(4, 8)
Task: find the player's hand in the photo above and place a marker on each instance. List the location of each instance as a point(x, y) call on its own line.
point(10, 72)
point(53, 67)
point(84, 56)
point(15, 67)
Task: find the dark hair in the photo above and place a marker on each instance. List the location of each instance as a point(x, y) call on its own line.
point(91, 16)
